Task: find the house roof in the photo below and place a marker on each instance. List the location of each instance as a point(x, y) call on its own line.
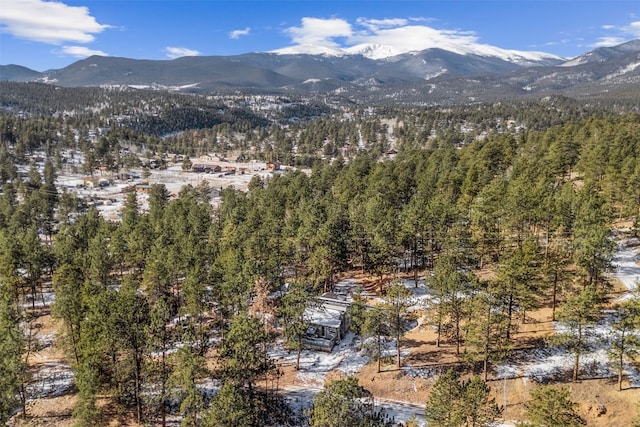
point(323, 317)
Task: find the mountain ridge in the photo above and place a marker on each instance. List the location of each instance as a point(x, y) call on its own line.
point(436, 74)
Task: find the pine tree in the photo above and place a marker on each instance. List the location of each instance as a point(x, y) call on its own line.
point(594, 249)
point(12, 367)
point(454, 402)
point(440, 410)
point(230, 407)
point(396, 302)
point(97, 354)
point(450, 286)
point(188, 368)
point(551, 406)
point(555, 270)
point(243, 353)
point(131, 320)
point(345, 402)
point(486, 338)
point(160, 339)
point(295, 317)
point(357, 312)
point(625, 345)
point(517, 285)
point(68, 306)
point(375, 326)
point(186, 163)
point(577, 314)
point(479, 408)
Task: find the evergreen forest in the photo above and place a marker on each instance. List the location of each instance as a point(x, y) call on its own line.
point(168, 316)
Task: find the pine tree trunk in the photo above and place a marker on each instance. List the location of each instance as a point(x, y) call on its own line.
point(23, 399)
point(555, 296)
point(162, 403)
point(621, 361)
point(138, 389)
point(487, 346)
point(485, 370)
point(576, 364)
point(73, 344)
point(439, 329)
point(379, 355)
point(414, 260)
point(620, 380)
point(510, 314)
point(398, 320)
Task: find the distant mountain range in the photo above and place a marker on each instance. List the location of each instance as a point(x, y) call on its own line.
point(433, 75)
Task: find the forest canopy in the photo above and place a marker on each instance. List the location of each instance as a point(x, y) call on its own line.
point(532, 200)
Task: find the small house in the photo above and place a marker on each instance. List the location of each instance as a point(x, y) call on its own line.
point(273, 166)
point(391, 154)
point(95, 182)
point(229, 170)
point(239, 158)
point(143, 188)
point(200, 168)
point(328, 321)
point(89, 182)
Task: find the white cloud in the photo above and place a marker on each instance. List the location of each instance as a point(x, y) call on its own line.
point(316, 31)
point(48, 21)
point(558, 42)
point(377, 24)
point(177, 52)
point(236, 34)
point(416, 37)
point(382, 38)
point(620, 34)
point(608, 41)
point(402, 35)
point(80, 51)
point(633, 29)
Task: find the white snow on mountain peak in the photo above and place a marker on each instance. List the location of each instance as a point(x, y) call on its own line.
point(385, 51)
point(309, 49)
point(381, 39)
point(374, 51)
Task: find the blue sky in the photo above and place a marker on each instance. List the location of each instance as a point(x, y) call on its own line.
point(44, 34)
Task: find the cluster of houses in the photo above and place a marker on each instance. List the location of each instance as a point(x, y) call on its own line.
point(226, 170)
point(229, 169)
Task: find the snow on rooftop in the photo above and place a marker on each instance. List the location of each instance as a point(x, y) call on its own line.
point(323, 316)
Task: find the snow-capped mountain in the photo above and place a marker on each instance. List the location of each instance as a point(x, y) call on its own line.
point(368, 72)
point(380, 51)
point(603, 54)
point(374, 51)
point(310, 49)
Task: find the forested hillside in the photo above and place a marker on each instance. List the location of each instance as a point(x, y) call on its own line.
point(167, 312)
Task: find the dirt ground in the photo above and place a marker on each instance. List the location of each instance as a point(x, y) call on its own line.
point(395, 385)
point(391, 383)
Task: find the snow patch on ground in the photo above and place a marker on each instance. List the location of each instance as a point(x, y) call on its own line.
point(626, 263)
point(315, 365)
point(548, 363)
point(50, 380)
point(42, 299)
